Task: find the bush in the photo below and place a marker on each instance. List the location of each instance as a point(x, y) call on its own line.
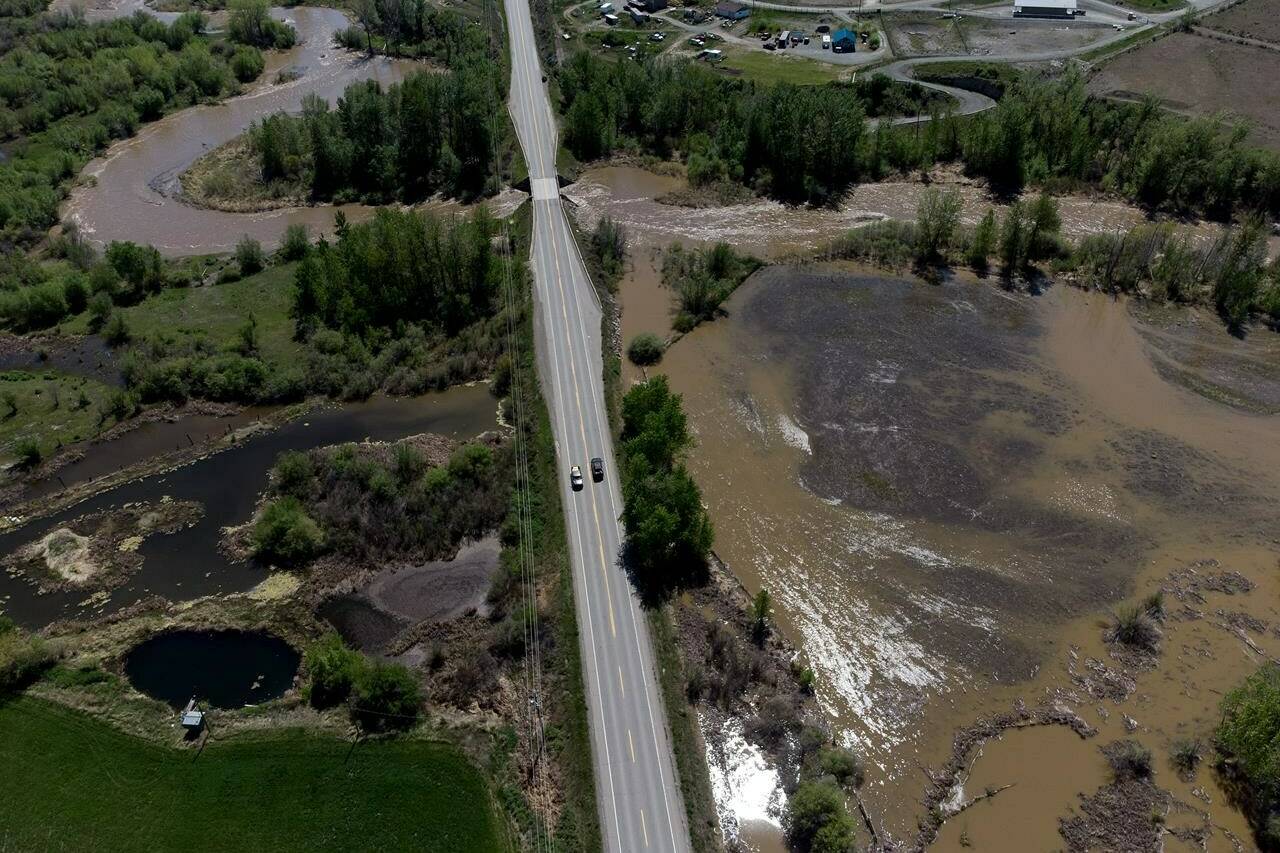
point(1185, 756)
point(22, 657)
point(645, 349)
point(116, 331)
point(1134, 627)
point(28, 452)
point(1129, 760)
point(249, 256)
point(286, 534)
point(247, 63)
point(842, 764)
point(296, 243)
point(386, 697)
point(812, 808)
point(1249, 740)
point(294, 473)
point(332, 671)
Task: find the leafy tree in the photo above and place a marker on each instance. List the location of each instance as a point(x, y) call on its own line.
point(983, 242)
point(1249, 739)
point(250, 23)
point(286, 534)
point(937, 216)
point(386, 697)
point(645, 348)
point(1013, 239)
point(812, 808)
point(332, 671)
point(296, 243)
point(116, 331)
point(1241, 257)
point(249, 256)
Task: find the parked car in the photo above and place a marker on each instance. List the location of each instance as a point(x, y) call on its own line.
point(770, 46)
point(597, 469)
point(575, 478)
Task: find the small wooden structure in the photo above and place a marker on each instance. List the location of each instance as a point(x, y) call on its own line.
point(192, 717)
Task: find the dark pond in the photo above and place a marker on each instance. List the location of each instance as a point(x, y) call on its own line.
point(225, 669)
point(188, 565)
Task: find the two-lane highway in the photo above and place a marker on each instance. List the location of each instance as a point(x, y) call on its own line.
point(637, 792)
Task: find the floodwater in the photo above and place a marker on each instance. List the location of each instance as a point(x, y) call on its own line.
point(190, 565)
point(133, 194)
point(224, 669)
point(400, 596)
point(951, 486)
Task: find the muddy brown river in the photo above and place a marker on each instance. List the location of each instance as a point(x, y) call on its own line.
point(951, 486)
point(133, 192)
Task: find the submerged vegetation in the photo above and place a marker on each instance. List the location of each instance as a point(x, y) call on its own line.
point(702, 279)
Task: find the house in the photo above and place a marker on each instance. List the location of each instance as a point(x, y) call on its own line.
point(843, 41)
point(604, 8)
point(731, 10)
point(638, 17)
point(1044, 8)
point(650, 6)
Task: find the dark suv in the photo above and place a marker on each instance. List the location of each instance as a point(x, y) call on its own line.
point(597, 469)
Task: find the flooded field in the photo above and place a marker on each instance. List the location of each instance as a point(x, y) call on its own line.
point(952, 487)
point(226, 485)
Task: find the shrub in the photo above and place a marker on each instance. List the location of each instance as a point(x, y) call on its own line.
point(247, 63)
point(22, 657)
point(249, 256)
point(386, 697)
point(28, 452)
point(294, 473)
point(646, 348)
point(812, 807)
point(116, 331)
point(1134, 627)
point(1129, 760)
point(842, 764)
point(286, 534)
point(296, 243)
point(1185, 756)
point(1249, 739)
point(332, 671)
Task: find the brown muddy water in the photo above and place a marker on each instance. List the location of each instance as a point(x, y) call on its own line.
point(189, 564)
point(951, 487)
point(132, 192)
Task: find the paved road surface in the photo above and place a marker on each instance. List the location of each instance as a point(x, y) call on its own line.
point(637, 792)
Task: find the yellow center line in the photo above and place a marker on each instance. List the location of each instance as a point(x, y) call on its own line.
point(631, 744)
point(645, 827)
point(582, 428)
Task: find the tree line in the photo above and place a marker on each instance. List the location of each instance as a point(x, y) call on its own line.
point(432, 133)
point(414, 28)
point(669, 534)
point(1229, 273)
point(811, 143)
point(68, 88)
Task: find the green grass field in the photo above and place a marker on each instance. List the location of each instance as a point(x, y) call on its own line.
point(771, 67)
point(49, 407)
point(217, 312)
point(72, 783)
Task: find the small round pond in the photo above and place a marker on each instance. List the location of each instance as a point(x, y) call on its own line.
point(224, 669)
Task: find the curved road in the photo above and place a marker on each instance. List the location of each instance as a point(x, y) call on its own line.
point(637, 792)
